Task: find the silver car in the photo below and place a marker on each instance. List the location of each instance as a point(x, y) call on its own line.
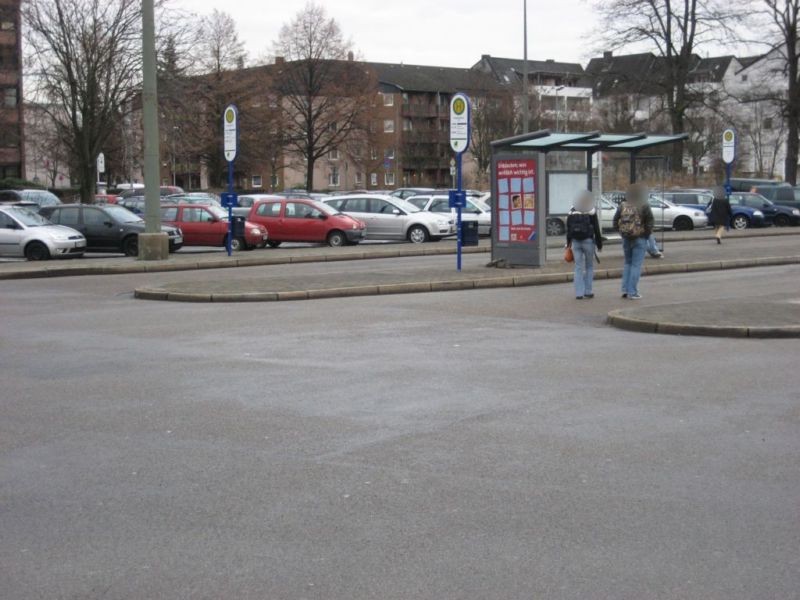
point(390, 218)
point(672, 216)
point(474, 211)
point(24, 233)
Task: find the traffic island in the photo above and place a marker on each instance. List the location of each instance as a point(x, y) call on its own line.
point(731, 318)
point(407, 281)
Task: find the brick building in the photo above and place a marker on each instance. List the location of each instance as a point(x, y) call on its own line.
point(12, 157)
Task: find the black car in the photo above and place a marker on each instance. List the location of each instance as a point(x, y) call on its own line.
point(776, 214)
point(39, 198)
point(107, 228)
point(779, 194)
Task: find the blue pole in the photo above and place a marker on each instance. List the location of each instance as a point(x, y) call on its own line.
point(230, 209)
point(458, 213)
point(728, 171)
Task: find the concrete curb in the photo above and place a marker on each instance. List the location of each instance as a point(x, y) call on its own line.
point(149, 293)
point(619, 319)
point(407, 251)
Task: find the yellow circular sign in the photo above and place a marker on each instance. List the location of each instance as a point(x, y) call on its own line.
point(728, 136)
point(459, 106)
point(229, 116)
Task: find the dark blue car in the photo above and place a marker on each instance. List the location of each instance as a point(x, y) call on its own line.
point(774, 214)
point(743, 216)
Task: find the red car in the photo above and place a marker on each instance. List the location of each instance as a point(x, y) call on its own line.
point(305, 220)
point(208, 226)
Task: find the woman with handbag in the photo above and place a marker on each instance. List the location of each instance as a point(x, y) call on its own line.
point(720, 212)
point(583, 237)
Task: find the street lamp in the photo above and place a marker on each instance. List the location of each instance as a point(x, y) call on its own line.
point(525, 107)
point(558, 110)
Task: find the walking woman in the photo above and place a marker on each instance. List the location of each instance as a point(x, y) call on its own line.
point(720, 212)
point(583, 236)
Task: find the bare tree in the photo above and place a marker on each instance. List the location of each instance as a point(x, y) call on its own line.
point(674, 31)
point(785, 17)
point(327, 96)
point(218, 47)
point(86, 59)
point(492, 119)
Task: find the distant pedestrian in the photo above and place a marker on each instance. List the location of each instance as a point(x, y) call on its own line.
point(652, 246)
point(634, 221)
point(583, 236)
point(720, 212)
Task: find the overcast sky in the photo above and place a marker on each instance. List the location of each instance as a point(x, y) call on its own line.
point(428, 32)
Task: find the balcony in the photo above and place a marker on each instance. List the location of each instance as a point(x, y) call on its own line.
point(420, 110)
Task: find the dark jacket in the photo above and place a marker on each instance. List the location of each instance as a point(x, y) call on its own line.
point(648, 221)
point(595, 235)
point(720, 212)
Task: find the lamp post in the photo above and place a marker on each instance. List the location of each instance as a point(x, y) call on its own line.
point(525, 107)
point(558, 110)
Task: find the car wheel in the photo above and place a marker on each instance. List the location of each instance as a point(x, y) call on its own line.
point(782, 221)
point(237, 244)
point(130, 246)
point(336, 239)
point(683, 224)
point(418, 234)
point(740, 222)
point(262, 245)
point(555, 227)
point(273, 243)
point(175, 248)
point(36, 251)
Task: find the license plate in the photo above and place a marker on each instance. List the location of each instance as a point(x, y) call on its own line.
point(178, 239)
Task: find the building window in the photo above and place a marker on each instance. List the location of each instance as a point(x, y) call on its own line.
point(389, 153)
point(273, 180)
point(255, 181)
point(373, 179)
point(408, 125)
point(744, 77)
point(373, 154)
point(388, 99)
point(7, 22)
point(359, 178)
point(388, 126)
point(333, 178)
point(8, 57)
point(333, 154)
point(405, 98)
point(388, 178)
point(10, 97)
point(767, 123)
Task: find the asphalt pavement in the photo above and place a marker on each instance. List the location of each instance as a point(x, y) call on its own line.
point(500, 443)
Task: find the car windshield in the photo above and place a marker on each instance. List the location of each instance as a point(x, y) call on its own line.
point(218, 212)
point(326, 208)
point(405, 205)
point(122, 215)
point(27, 217)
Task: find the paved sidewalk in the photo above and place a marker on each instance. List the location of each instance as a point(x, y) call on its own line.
point(190, 261)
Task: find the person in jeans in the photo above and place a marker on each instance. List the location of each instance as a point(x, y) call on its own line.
point(634, 221)
point(652, 247)
point(583, 236)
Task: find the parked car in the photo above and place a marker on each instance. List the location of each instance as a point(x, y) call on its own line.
point(779, 194)
point(389, 218)
point(774, 214)
point(107, 228)
point(23, 232)
point(106, 198)
point(208, 226)
point(301, 220)
point(742, 216)
point(164, 190)
point(206, 198)
point(39, 198)
point(405, 193)
point(247, 201)
point(474, 211)
point(673, 216)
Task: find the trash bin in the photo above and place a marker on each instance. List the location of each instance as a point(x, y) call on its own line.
point(238, 227)
point(469, 233)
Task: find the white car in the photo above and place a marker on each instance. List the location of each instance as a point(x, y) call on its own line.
point(390, 218)
point(440, 204)
point(25, 233)
point(666, 215)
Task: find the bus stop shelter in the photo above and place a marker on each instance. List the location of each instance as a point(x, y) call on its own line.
point(520, 189)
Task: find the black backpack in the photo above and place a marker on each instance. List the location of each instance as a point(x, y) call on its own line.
point(580, 227)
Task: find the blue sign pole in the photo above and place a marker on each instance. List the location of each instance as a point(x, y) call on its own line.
point(230, 209)
point(460, 121)
point(458, 211)
point(230, 141)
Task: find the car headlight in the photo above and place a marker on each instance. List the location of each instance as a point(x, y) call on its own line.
point(255, 231)
point(442, 223)
point(698, 214)
point(758, 213)
point(796, 212)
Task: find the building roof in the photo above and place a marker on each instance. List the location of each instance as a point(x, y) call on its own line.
point(746, 61)
point(418, 78)
point(625, 74)
point(712, 69)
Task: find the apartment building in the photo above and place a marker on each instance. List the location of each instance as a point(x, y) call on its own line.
point(12, 157)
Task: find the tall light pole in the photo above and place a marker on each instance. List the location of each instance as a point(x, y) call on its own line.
point(525, 106)
point(153, 244)
point(558, 110)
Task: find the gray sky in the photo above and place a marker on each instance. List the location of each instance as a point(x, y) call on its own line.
point(429, 32)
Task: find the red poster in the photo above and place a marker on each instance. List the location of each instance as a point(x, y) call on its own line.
point(516, 200)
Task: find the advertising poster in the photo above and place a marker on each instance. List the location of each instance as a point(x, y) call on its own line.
point(516, 200)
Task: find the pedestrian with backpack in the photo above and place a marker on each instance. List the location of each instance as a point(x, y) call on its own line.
point(634, 221)
point(583, 236)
